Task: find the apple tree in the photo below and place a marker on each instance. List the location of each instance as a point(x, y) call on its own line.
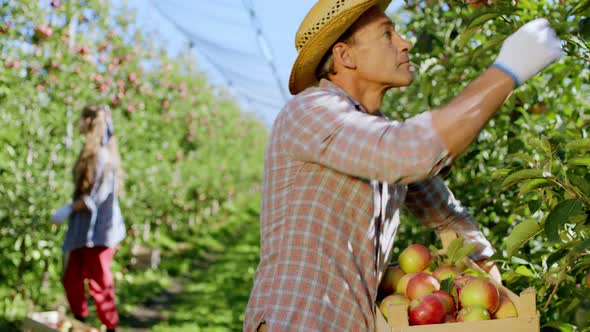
point(525, 178)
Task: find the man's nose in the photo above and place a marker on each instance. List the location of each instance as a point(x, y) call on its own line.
point(406, 45)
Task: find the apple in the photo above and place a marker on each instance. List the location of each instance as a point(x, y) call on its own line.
point(480, 292)
point(42, 32)
point(444, 272)
point(402, 284)
point(390, 279)
point(506, 309)
point(588, 280)
point(473, 313)
point(83, 49)
point(392, 300)
point(447, 301)
point(5, 27)
point(427, 309)
point(460, 282)
point(421, 284)
point(414, 258)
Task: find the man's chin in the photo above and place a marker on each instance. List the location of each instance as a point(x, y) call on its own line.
point(402, 83)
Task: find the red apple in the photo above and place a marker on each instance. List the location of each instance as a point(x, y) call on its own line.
point(42, 32)
point(447, 300)
point(402, 284)
point(390, 279)
point(421, 284)
point(4, 27)
point(473, 313)
point(480, 292)
point(390, 301)
point(83, 49)
point(506, 309)
point(427, 309)
point(460, 282)
point(445, 272)
point(414, 258)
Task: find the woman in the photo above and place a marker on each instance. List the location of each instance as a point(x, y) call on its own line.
point(96, 225)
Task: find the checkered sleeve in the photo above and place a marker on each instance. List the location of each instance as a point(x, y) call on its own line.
point(435, 206)
point(327, 129)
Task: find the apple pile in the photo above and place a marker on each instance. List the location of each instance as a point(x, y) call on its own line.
point(466, 297)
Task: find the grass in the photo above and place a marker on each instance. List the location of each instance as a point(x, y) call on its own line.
point(204, 288)
point(202, 284)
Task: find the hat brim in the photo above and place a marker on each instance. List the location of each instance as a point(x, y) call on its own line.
point(303, 73)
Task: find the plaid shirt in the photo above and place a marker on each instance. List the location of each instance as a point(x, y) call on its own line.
point(335, 181)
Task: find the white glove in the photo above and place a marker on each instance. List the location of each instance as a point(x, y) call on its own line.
point(529, 50)
point(62, 214)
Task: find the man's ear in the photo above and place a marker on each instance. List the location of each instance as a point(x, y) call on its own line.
point(343, 56)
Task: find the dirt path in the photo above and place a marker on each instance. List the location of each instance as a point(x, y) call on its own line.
point(211, 292)
point(148, 314)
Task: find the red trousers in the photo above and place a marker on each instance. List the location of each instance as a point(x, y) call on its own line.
point(93, 264)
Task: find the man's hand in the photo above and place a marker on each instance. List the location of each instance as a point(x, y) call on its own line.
point(492, 269)
point(529, 50)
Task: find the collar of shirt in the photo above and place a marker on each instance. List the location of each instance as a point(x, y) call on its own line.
point(334, 88)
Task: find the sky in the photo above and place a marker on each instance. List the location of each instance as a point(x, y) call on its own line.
point(246, 46)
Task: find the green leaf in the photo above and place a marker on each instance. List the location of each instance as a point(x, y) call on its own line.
point(556, 256)
point(531, 185)
point(524, 157)
point(454, 247)
point(541, 144)
point(560, 215)
point(523, 174)
point(475, 273)
point(500, 173)
point(448, 284)
point(582, 246)
point(561, 326)
point(580, 218)
point(579, 161)
point(465, 36)
point(580, 182)
point(481, 18)
point(521, 234)
point(534, 205)
point(465, 251)
point(480, 51)
point(524, 271)
point(583, 7)
point(579, 144)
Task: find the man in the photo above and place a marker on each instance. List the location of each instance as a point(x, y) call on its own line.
point(337, 172)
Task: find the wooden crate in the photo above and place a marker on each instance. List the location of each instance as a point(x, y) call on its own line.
point(49, 321)
point(525, 303)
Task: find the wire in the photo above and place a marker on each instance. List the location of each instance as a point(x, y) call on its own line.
point(208, 49)
point(264, 45)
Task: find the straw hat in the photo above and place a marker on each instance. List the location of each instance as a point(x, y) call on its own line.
point(322, 26)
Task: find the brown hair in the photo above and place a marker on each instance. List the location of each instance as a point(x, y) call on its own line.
point(326, 66)
point(93, 124)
